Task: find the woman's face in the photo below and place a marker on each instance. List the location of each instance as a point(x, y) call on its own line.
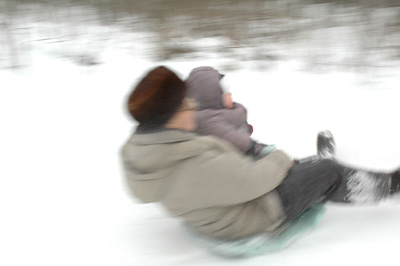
point(188, 110)
point(190, 120)
point(184, 118)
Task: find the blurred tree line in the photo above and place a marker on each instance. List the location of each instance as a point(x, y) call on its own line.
point(312, 28)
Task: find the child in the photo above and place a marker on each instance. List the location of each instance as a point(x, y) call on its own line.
point(219, 115)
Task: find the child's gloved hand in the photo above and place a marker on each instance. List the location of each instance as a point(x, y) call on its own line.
point(259, 150)
point(267, 149)
point(251, 129)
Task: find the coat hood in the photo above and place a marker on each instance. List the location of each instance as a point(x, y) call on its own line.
point(203, 85)
point(149, 159)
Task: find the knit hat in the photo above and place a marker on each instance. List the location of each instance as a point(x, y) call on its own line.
point(156, 98)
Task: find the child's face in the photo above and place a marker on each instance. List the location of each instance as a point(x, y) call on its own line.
point(227, 100)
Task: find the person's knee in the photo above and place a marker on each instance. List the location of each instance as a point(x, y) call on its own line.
point(328, 164)
point(330, 171)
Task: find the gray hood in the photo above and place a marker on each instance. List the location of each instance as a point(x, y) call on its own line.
point(203, 85)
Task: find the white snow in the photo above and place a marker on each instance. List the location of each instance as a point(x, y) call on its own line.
point(62, 196)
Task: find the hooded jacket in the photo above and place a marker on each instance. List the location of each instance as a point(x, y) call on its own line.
point(212, 117)
point(212, 186)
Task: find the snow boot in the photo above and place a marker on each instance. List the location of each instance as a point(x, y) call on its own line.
point(326, 147)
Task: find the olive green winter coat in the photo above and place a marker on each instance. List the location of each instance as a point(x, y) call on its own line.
point(211, 185)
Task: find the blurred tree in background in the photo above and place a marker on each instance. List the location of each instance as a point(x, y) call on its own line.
point(325, 34)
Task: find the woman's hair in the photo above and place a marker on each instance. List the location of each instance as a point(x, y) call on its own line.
point(156, 98)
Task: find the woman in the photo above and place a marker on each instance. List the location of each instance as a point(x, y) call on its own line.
point(216, 189)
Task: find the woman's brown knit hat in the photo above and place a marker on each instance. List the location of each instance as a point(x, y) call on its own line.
point(156, 98)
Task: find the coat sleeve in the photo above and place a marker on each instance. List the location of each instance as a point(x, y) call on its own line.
point(217, 125)
point(236, 115)
point(228, 179)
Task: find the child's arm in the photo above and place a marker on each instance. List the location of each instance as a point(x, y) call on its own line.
point(218, 125)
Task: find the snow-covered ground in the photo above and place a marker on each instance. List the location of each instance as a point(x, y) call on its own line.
point(62, 196)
